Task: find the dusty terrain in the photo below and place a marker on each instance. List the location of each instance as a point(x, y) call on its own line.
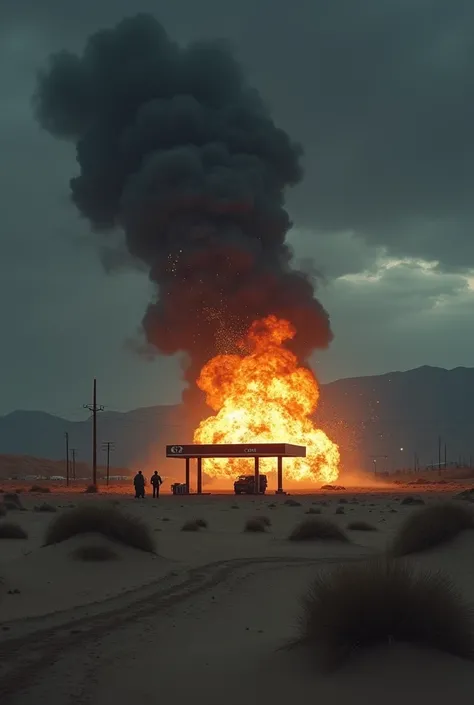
point(206, 616)
point(33, 468)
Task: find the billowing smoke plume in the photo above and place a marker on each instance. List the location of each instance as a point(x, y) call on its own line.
point(175, 148)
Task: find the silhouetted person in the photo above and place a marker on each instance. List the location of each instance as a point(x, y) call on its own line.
point(139, 484)
point(156, 481)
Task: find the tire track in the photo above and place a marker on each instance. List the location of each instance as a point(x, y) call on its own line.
point(24, 658)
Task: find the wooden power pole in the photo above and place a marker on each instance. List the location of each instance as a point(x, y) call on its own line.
point(94, 408)
point(73, 454)
point(108, 446)
point(66, 436)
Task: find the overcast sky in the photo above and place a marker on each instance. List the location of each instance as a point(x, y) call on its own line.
point(379, 94)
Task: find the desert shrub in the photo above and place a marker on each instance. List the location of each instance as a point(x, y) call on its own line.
point(412, 501)
point(467, 495)
point(340, 510)
point(105, 520)
point(361, 526)
point(432, 526)
point(255, 525)
point(45, 507)
point(12, 498)
point(265, 520)
point(360, 606)
point(292, 503)
point(313, 510)
point(40, 489)
point(194, 525)
point(190, 525)
point(12, 507)
point(94, 553)
point(12, 531)
point(91, 489)
point(317, 530)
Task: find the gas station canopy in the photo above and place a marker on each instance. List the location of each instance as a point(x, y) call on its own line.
point(236, 450)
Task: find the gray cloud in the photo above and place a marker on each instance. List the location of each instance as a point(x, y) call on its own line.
point(331, 257)
point(403, 317)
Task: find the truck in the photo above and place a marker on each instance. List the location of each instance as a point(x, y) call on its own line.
point(245, 484)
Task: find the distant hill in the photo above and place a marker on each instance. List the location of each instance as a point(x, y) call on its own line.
point(395, 415)
point(402, 413)
point(137, 434)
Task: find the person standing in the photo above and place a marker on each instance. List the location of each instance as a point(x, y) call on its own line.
point(139, 484)
point(156, 481)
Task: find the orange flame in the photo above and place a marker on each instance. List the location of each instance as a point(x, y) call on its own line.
point(263, 396)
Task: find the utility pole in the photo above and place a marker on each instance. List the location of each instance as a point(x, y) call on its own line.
point(445, 456)
point(66, 436)
point(108, 446)
point(73, 454)
point(94, 408)
point(439, 455)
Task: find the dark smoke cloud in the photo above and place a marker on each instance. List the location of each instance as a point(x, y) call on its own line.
point(176, 149)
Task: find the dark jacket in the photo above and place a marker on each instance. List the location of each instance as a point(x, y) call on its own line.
point(139, 480)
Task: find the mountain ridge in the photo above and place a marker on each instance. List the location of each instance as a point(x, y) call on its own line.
point(396, 414)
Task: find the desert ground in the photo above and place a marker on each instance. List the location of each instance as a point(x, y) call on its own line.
point(210, 614)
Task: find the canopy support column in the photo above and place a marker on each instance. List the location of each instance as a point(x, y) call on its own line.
point(199, 476)
point(257, 475)
point(280, 476)
point(187, 475)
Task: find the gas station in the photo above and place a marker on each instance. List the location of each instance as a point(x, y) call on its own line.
point(235, 450)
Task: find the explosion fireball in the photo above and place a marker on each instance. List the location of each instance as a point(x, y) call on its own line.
point(264, 396)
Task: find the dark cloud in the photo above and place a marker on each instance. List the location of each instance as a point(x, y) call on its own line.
point(381, 94)
point(378, 92)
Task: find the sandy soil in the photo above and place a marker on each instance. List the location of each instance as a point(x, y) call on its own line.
point(206, 617)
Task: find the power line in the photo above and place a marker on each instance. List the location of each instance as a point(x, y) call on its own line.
point(94, 407)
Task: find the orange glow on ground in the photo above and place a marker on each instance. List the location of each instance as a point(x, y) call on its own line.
point(263, 396)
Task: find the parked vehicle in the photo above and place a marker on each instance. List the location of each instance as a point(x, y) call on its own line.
point(245, 484)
